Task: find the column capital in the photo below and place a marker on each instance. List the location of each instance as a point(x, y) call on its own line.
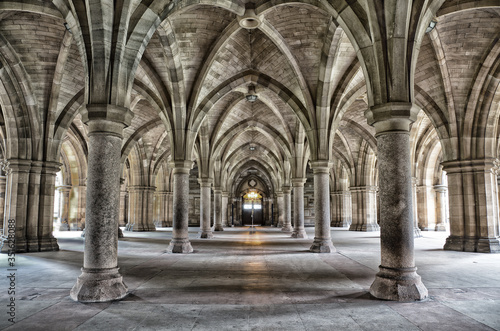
point(464, 166)
point(298, 182)
point(225, 194)
point(181, 166)
point(205, 182)
point(366, 188)
point(440, 188)
point(321, 166)
point(279, 194)
point(138, 188)
point(392, 117)
point(106, 118)
point(286, 189)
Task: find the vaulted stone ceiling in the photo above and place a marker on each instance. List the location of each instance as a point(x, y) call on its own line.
point(201, 57)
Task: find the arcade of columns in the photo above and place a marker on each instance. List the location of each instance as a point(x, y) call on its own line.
point(374, 111)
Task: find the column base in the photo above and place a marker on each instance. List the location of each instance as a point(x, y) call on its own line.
point(339, 224)
point(205, 235)
point(142, 228)
point(182, 246)
point(417, 233)
point(287, 228)
point(99, 285)
point(322, 246)
point(64, 227)
point(32, 245)
point(440, 227)
point(218, 227)
point(398, 285)
point(488, 245)
point(48, 245)
point(120, 233)
point(480, 245)
point(300, 233)
point(19, 246)
point(364, 227)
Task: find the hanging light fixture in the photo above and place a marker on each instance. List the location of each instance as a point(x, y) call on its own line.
point(251, 96)
point(431, 26)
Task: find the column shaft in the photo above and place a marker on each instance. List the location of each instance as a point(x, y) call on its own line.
point(298, 208)
point(364, 208)
point(224, 203)
point(141, 212)
point(205, 202)
point(322, 237)
point(287, 210)
point(217, 210)
point(473, 196)
point(180, 237)
point(397, 278)
point(441, 221)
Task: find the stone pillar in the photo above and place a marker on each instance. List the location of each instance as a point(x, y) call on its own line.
point(426, 208)
point(65, 191)
point(322, 237)
point(223, 211)
point(205, 201)
point(416, 229)
point(218, 210)
point(364, 208)
point(341, 209)
point(141, 211)
point(473, 201)
point(170, 209)
point(82, 202)
point(122, 220)
point(46, 240)
point(287, 209)
point(162, 208)
point(29, 203)
point(298, 208)
point(3, 182)
point(281, 209)
point(397, 278)
point(100, 280)
point(441, 221)
point(180, 237)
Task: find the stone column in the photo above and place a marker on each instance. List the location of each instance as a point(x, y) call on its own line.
point(416, 229)
point(322, 237)
point(473, 201)
point(218, 210)
point(13, 239)
point(298, 208)
point(205, 201)
point(224, 202)
point(180, 237)
point(123, 204)
point(161, 208)
point(170, 209)
point(426, 207)
point(141, 215)
point(3, 182)
point(281, 209)
point(46, 240)
point(100, 280)
point(341, 209)
point(82, 202)
point(287, 209)
point(441, 221)
point(364, 208)
point(397, 279)
point(65, 191)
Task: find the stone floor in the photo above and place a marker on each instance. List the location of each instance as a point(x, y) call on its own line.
point(254, 281)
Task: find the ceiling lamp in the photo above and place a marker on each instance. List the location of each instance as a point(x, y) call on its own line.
point(251, 96)
point(249, 20)
point(431, 26)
